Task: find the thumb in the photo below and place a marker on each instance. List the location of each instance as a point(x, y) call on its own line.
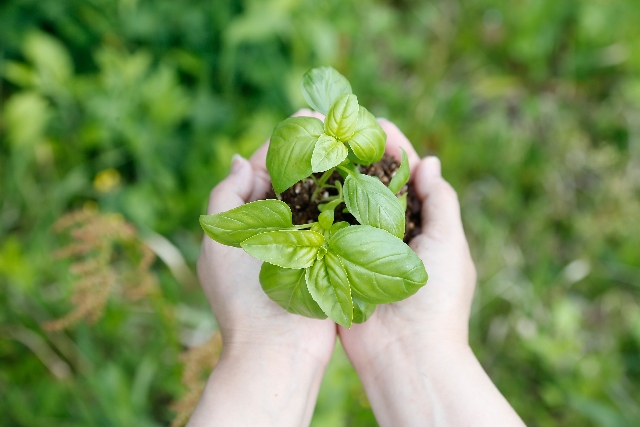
point(235, 189)
point(440, 206)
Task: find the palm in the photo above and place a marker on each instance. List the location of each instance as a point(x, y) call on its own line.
point(229, 277)
point(434, 309)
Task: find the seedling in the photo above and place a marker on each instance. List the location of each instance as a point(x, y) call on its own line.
point(328, 268)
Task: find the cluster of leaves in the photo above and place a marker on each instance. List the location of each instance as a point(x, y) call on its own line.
point(334, 269)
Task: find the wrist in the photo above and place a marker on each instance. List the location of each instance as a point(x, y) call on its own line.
point(410, 357)
point(275, 353)
point(258, 384)
point(423, 346)
point(409, 372)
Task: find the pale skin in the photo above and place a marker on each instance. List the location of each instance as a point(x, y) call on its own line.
point(413, 356)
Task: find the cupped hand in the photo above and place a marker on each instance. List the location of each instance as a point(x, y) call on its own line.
point(437, 316)
point(248, 319)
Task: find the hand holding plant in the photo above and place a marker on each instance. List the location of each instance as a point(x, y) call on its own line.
point(412, 356)
point(328, 268)
point(276, 352)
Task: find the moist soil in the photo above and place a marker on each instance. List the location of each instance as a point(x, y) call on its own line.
point(306, 210)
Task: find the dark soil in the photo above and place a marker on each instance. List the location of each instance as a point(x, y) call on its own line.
point(305, 210)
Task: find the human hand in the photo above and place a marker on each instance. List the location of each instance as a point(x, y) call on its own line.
point(277, 357)
point(413, 356)
point(437, 315)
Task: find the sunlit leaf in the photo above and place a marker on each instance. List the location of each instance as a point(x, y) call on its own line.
point(326, 219)
point(402, 174)
point(290, 150)
point(237, 225)
point(321, 86)
point(288, 288)
point(342, 118)
point(328, 153)
point(338, 226)
point(372, 203)
point(368, 140)
point(288, 249)
point(381, 268)
point(362, 311)
point(329, 287)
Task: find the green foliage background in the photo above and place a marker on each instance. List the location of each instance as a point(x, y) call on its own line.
point(533, 107)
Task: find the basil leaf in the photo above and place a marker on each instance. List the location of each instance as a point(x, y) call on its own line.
point(403, 201)
point(369, 139)
point(353, 158)
point(233, 227)
point(338, 226)
point(402, 174)
point(342, 118)
point(328, 153)
point(288, 249)
point(288, 288)
point(350, 167)
point(372, 203)
point(290, 150)
point(329, 286)
point(321, 86)
point(362, 311)
point(326, 219)
point(381, 268)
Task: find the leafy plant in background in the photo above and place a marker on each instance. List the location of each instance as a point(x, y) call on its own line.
point(107, 253)
point(328, 268)
point(532, 106)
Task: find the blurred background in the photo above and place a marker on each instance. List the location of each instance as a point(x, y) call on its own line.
point(118, 117)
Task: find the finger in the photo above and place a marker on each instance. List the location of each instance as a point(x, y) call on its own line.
point(440, 206)
point(305, 112)
point(235, 190)
point(261, 185)
point(396, 140)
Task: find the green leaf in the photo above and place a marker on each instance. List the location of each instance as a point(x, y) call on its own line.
point(348, 169)
point(288, 249)
point(328, 153)
point(342, 118)
point(317, 228)
point(368, 140)
point(403, 201)
point(402, 174)
point(290, 150)
point(329, 287)
point(326, 219)
point(362, 311)
point(331, 205)
point(237, 225)
point(338, 226)
point(372, 203)
point(321, 86)
point(381, 268)
point(288, 288)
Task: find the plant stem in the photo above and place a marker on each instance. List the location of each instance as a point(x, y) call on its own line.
point(320, 183)
point(303, 226)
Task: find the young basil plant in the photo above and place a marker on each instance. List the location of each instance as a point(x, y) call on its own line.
point(327, 268)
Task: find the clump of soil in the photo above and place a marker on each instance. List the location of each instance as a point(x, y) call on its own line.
point(306, 210)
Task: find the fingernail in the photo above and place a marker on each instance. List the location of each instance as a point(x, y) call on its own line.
point(236, 163)
point(433, 166)
point(382, 119)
